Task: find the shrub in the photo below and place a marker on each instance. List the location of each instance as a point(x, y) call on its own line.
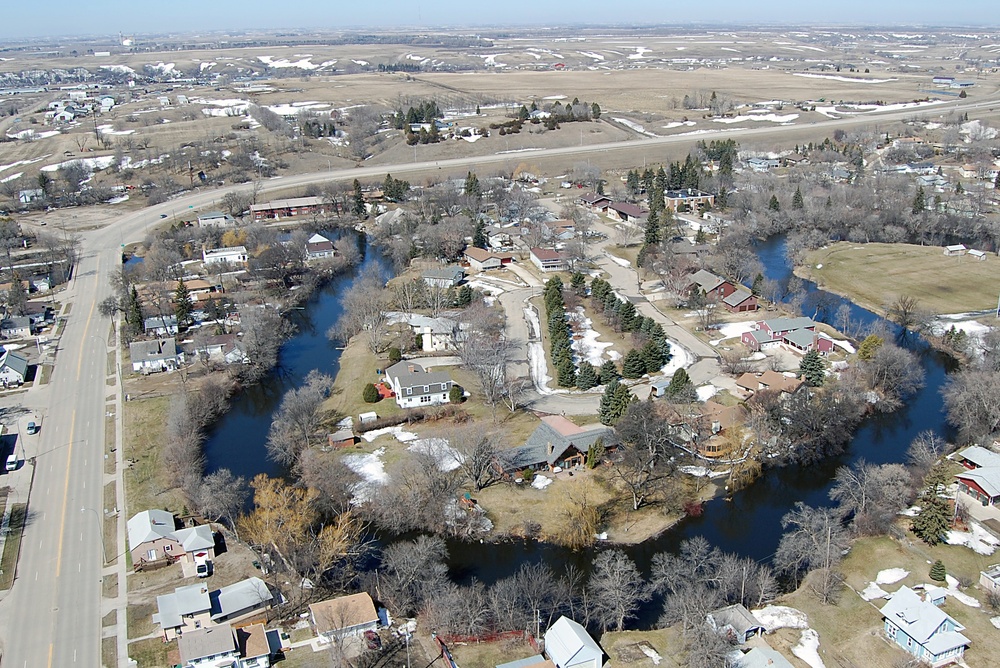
point(456, 394)
point(938, 572)
point(395, 355)
point(370, 394)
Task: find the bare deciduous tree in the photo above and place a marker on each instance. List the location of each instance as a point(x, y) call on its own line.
point(616, 589)
point(814, 540)
point(296, 422)
point(972, 399)
point(871, 494)
point(222, 496)
point(365, 311)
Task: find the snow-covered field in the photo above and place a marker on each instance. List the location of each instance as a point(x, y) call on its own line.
point(981, 541)
point(772, 118)
point(109, 129)
point(834, 77)
point(970, 327)
point(33, 135)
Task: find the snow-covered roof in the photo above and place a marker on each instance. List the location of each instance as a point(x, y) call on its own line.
point(568, 644)
point(922, 621)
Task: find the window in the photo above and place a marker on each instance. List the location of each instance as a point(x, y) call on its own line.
point(427, 388)
point(890, 630)
point(426, 399)
point(167, 548)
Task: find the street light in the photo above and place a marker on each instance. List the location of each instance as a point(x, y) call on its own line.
point(100, 530)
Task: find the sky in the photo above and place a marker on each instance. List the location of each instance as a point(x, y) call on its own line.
point(108, 17)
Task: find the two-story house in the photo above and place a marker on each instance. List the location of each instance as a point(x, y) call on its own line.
point(923, 629)
point(413, 386)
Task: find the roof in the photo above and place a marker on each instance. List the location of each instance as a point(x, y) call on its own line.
point(630, 210)
point(158, 349)
point(410, 374)
point(16, 322)
point(956, 247)
point(567, 643)
point(802, 338)
point(980, 456)
point(445, 273)
point(188, 600)
point(705, 280)
point(736, 616)
point(209, 641)
point(245, 594)
point(252, 641)
point(318, 239)
point(196, 538)
point(15, 362)
point(787, 324)
point(544, 254)
point(921, 620)
point(343, 612)
point(987, 478)
point(764, 657)
point(748, 381)
point(208, 215)
point(550, 433)
point(738, 297)
point(289, 203)
point(228, 250)
point(160, 322)
point(149, 525)
point(779, 381)
point(726, 416)
point(593, 198)
point(480, 255)
point(536, 660)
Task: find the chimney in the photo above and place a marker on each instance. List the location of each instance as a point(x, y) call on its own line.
point(549, 448)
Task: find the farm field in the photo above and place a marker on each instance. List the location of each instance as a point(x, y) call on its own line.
point(875, 274)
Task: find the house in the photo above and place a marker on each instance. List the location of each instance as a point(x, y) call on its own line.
point(64, 116)
point(240, 601)
point(255, 643)
point(559, 230)
point(198, 289)
point(435, 334)
point(687, 198)
point(536, 661)
point(341, 438)
point(942, 80)
point(736, 623)
point(444, 277)
point(740, 300)
point(796, 333)
point(344, 616)
point(547, 259)
point(156, 355)
point(717, 418)
point(40, 283)
point(733, 296)
point(289, 208)
point(768, 380)
point(956, 250)
point(595, 202)
point(231, 255)
point(556, 442)
point(224, 348)
point(982, 484)
point(923, 629)
point(15, 327)
point(318, 247)
point(196, 541)
point(415, 387)
point(763, 657)
point(626, 212)
point(762, 164)
point(160, 325)
point(484, 260)
point(498, 239)
point(707, 282)
point(151, 536)
point(211, 646)
point(30, 195)
point(990, 579)
point(215, 219)
point(568, 645)
point(187, 609)
point(13, 368)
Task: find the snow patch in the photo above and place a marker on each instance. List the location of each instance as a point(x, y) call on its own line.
point(397, 432)
point(540, 481)
point(632, 125)
point(371, 468)
point(873, 591)
point(706, 392)
point(447, 457)
point(837, 78)
point(773, 118)
point(978, 539)
point(94, 164)
point(781, 617)
point(676, 124)
point(891, 575)
point(585, 343)
point(808, 649)
point(732, 330)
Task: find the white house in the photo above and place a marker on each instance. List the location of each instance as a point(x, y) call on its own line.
point(547, 259)
point(956, 250)
point(156, 355)
point(319, 247)
point(215, 219)
point(160, 325)
point(344, 616)
point(230, 255)
point(415, 387)
point(212, 646)
point(16, 327)
point(568, 645)
point(484, 260)
point(13, 367)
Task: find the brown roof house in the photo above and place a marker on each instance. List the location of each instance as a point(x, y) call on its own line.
point(547, 259)
point(344, 616)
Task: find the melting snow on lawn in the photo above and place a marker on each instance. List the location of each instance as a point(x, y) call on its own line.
point(632, 125)
point(447, 457)
point(977, 539)
point(808, 649)
point(620, 261)
point(890, 576)
point(540, 481)
point(93, 163)
point(585, 343)
point(781, 617)
point(653, 655)
point(845, 79)
point(397, 432)
point(733, 330)
point(773, 118)
point(706, 392)
point(873, 591)
point(32, 135)
point(951, 590)
point(21, 162)
point(680, 358)
point(970, 327)
point(371, 468)
point(12, 177)
point(676, 124)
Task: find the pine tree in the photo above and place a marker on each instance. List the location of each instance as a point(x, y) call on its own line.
point(133, 312)
point(959, 190)
point(370, 394)
point(566, 373)
point(472, 187)
point(358, 204)
point(632, 183)
point(182, 304)
point(609, 372)
point(595, 111)
point(797, 201)
point(774, 204)
point(938, 572)
point(633, 366)
point(758, 282)
point(626, 316)
point(934, 519)
point(614, 402)
point(812, 369)
point(595, 453)
point(479, 237)
point(919, 201)
point(680, 383)
point(478, 112)
point(578, 282)
point(652, 229)
point(652, 356)
point(587, 377)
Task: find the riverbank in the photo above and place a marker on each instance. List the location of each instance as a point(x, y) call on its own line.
point(873, 275)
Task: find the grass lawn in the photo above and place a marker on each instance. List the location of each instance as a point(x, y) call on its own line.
point(623, 648)
point(109, 652)
point(151, 653)
point(875, 274)
point(146, 484)
point(490, 654)
point(357, 367)
point(11, 548)
point(45, 374)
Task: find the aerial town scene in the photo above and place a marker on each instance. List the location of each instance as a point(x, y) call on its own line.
point(491, 337)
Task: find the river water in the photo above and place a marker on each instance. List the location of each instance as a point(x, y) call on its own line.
point(748, 524)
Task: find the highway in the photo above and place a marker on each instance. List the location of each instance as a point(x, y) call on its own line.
point(52, 616)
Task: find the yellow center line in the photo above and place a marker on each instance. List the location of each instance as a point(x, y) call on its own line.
point(69, 454)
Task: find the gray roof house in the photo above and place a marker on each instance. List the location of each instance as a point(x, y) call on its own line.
point(555, 442)
point(215, 219)
point(444, 277)
point(413, 386)
point(160, 325)
point(568, 645)
point(236, 600)
point(764, 657)
point(153, 534)
point(706, 281)
point(156, 355)
point(15, 327)
point(194, 606)
point(735, 622)
point(13, 367)
point(212, 646)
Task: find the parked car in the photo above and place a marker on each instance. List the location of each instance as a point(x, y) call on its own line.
point(32, 428)
point(373, 640)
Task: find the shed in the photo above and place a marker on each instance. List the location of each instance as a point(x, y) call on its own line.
point(735, 622)
point(955, 250)
point(569, 645)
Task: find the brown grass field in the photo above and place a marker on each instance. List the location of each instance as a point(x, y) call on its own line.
point(875, 274)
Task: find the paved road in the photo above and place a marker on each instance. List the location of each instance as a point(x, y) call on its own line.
point(52, 616)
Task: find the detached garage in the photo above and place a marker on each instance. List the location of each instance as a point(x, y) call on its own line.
point(569, 645)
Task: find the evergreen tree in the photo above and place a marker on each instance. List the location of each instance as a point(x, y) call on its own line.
point(609, 372)
point(17, 296)
point(652, 357)
point(774, 204)
point(578, 282)
point(465, 296)
point(829, 201)
point(632, 183)
point(456, 394)
point(758, 282)
point(919, 201)
point(633, 366)
point(959, 190)
point(626, 316)
point(680, 384)
point(595, 111)
point(587, 377)
point(566, 372)
point(996, 181)
point(479, 237)
point(934, 519)
point(812, 369)
point(869, 347)
point(370, 394)
point(133, 312)
point(700, 237)
point(478, 112)
point(358, 201)
point(472, 187)
point(652, 229)
point(182, 304)
point(938, 572)
point(595, 453)
point(797, 201)
point(726, 167)
point(614, 402)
